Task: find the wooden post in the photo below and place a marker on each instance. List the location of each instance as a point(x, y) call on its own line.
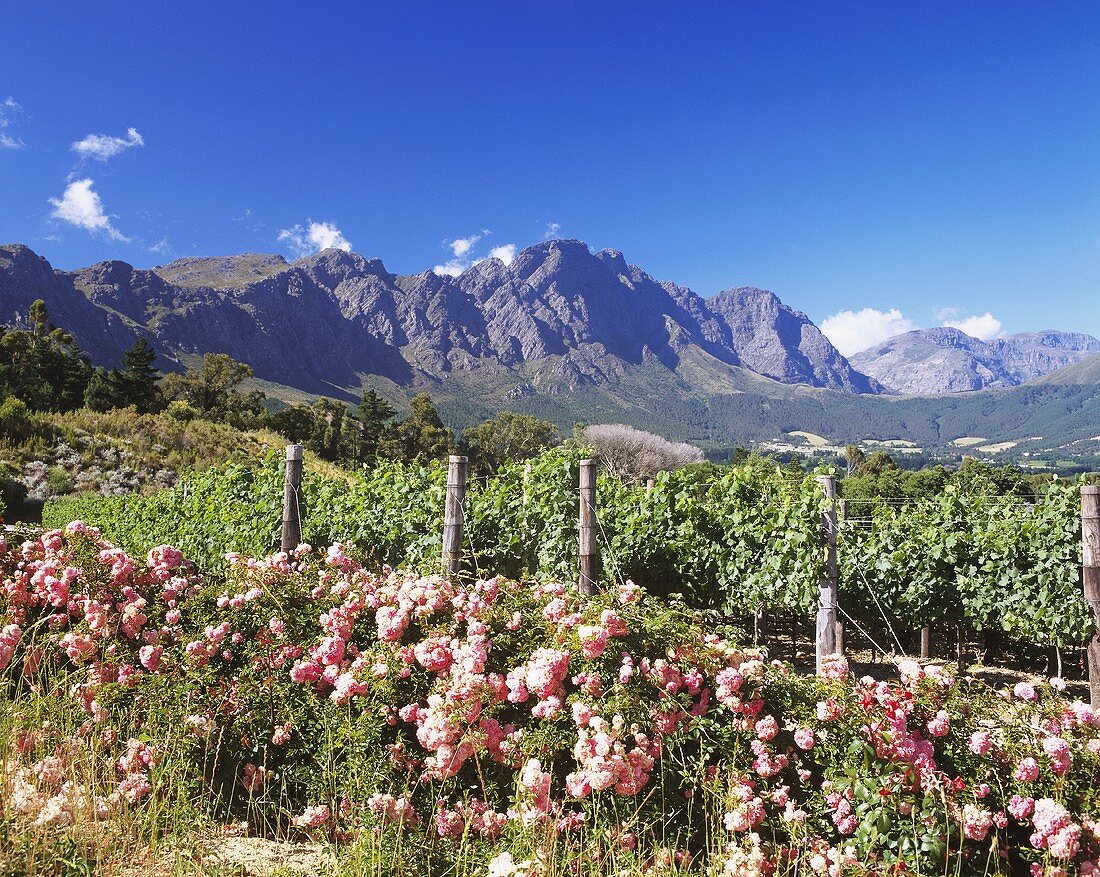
point(1090, 577)
point(842, 518)
point(759, 627)
point(292, 507)
point(926, 642)
point(588, 556)
point(649, 485)
point(826, 601)
point(452, 515)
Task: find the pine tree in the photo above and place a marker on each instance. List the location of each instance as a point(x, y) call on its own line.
point(102, 391)
point(375, 417)
point(138, 377)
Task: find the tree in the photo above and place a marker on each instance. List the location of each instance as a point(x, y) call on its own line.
point(211, 389)
point(420, 436)
point(633, 454)
point(853, 457)
point(294, 422)
point(138, 377)
point(328, 440)
point(42, 365)
point(102, 392)
point(375, 416)
point(876, 463)
point(509, 436)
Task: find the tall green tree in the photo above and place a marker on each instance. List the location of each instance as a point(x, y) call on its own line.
point(41, 364)
point(375, 416)
point(102, 392)
point(212, 389)
point(509, 436)
point(420, 436)
point(138, 377)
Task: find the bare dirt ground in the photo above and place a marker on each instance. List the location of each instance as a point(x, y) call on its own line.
point(238, 856)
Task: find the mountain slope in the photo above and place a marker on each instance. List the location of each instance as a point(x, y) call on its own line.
point(561, 332)
point(947, 360)
point(557, 317)
point(774, 340)
point(1029, 355)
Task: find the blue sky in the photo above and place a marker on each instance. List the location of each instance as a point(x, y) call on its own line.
point(937, 158)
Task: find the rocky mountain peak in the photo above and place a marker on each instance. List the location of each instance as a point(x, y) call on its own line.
point(558, 312)
point(947, 360)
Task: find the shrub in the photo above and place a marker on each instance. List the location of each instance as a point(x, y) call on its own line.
point(632, 454)
point(16, 421)
point(58, 481)
point(493, 723)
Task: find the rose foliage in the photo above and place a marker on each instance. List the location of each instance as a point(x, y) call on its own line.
point(315, 696)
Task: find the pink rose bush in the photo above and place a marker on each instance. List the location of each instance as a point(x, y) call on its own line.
point(308, 694)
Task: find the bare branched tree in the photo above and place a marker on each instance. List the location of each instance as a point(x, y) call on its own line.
point(633, 455)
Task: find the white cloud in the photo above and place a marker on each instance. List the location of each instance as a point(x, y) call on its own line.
point(104, 146)
point(853, 331)
point(553, 230)
point(10, 114)
point(462, 248)
point(986, 326)
point(451, 268)
point(79, 205)
point(506, 253)
point(161, 247)
point(314, 237)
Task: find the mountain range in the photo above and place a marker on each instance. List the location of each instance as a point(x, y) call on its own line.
point(558, 316)
point(560, 331)
point(947, 360)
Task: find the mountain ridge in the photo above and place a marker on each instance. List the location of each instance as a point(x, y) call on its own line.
point(589, 314)
point(947, 360)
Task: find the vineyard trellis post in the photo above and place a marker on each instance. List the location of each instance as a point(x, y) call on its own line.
point(292, 509)
point(825, 639)
point(842, 518)
point(453, 514)
point(587, 551)
point(1090, 576)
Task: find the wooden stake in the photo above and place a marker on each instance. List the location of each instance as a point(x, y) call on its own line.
point(842, 518)
point(587, 552)
point(452, 515)
point(759, 627)
point(826, 602)
point(926, 642)
point(1090, 578)
point(292, 508)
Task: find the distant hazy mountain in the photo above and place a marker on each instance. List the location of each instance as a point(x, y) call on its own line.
point(947, 360)
point(556, 318)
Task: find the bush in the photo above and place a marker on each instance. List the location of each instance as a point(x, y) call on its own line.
point(16, 421)
point(181, 411)
point(486, 724)
point(58, 481)
point(633, 454)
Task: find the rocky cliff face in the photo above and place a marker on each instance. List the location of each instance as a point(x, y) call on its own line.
point(1030, 355)
point(783, 343)
point(947, 360)
point(326, 322)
